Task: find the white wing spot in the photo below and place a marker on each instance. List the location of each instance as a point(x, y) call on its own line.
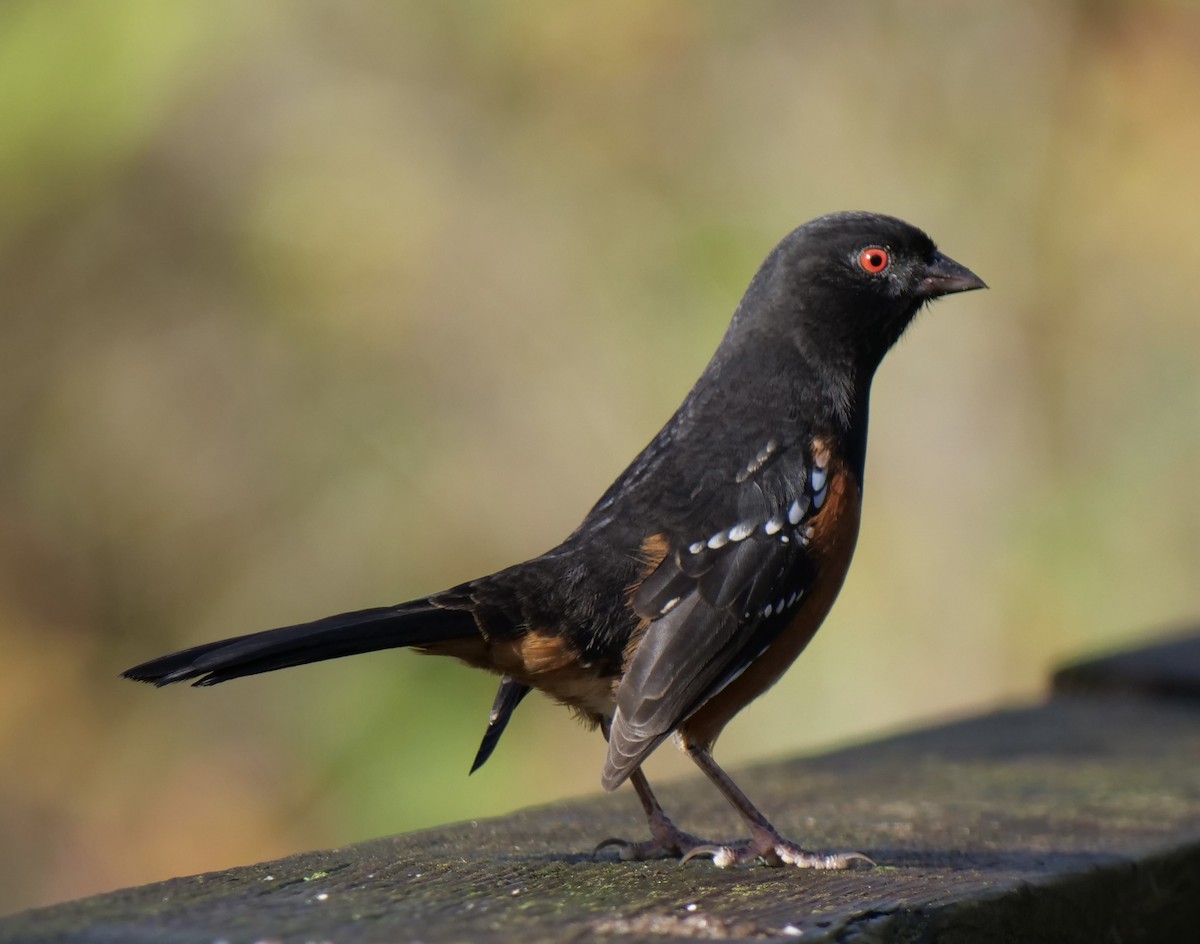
point(669, 606)
point(774, 526)
point(818, 478)
point(784, 539)
point(759, 461)
point(696, 548)
point(718, 540)
point(779, 605)
point(819, 499)
point(739, 532)
point(795, 513)
point(767, 610)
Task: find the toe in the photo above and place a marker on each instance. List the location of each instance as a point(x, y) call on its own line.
point(723, 856)
point(629, 851)
point(803, 859)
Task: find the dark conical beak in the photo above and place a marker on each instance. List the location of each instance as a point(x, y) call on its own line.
point(943, 276)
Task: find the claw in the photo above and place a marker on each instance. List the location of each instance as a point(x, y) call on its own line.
point(722, 856)
point(610, 841)
point(666, 840)
point(638, 851)
point(696, 851)
point(629, 851)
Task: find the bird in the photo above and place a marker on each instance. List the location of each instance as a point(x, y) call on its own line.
point(707, 566)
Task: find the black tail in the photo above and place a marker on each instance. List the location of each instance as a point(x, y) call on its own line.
point(419, 623)
point(507, 698)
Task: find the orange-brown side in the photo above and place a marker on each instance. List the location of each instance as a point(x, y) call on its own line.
point(654, 552)
point(543, 660)
point(547, 661)
point(835, 532)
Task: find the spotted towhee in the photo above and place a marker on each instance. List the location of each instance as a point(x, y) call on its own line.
point(711, 561)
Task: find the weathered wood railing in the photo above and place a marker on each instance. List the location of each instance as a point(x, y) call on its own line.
point(1073, 820)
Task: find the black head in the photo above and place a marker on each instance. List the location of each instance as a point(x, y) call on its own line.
point(844, 287)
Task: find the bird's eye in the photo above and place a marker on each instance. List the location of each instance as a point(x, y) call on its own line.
point(874, 260)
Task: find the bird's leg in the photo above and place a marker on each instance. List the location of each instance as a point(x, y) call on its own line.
point(666, 839)
point(765, 842)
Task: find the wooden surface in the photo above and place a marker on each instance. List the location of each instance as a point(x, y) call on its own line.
point(1076, 820)
point(1168, 669)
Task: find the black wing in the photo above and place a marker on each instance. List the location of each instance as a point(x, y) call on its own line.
point(722, 593)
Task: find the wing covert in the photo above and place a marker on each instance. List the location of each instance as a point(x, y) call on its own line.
point(720, 595)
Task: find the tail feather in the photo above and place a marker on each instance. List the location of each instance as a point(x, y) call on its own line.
point(507, 698)
point(410, 624)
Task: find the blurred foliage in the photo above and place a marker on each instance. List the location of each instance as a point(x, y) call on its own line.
point(311, 307)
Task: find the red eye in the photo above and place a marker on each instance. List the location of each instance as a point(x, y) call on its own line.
point(874, 259)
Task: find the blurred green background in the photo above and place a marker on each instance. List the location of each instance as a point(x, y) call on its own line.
point(309, 307)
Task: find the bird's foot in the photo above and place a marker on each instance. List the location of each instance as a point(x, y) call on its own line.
point(667, 841)
point(774, 850)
